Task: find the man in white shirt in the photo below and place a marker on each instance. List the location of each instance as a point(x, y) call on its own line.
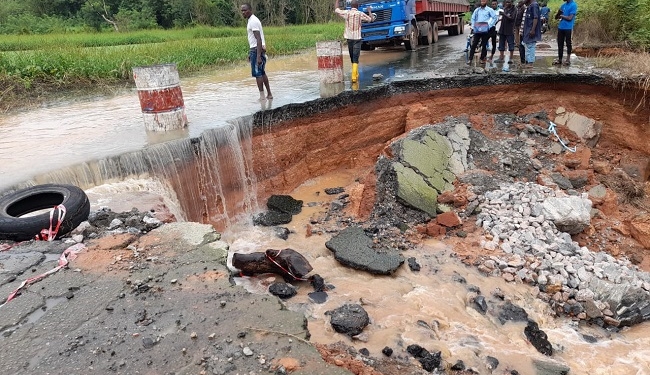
point(353, 19)
point(257, 52)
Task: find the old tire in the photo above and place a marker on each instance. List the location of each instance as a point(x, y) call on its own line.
point(462, 25)
point(16, 227)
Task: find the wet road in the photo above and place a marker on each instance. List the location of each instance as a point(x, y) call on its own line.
point(83, 129)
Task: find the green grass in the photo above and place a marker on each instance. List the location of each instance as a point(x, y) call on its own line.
point(35, 68)
point(109, 57)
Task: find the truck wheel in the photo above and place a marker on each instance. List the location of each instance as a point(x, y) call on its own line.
point(435, 33)
point(427, 38)
point(454, 30)
point(412, 42)
point(462, 25)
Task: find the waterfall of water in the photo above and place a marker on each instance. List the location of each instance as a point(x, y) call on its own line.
point(212, 175)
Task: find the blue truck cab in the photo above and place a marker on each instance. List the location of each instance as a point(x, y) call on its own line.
point(393, 22)
point(411, 22)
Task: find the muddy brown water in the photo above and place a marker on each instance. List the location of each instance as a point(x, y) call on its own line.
point(395, 303)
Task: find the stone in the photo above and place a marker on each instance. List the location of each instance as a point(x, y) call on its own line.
point(561, 181)
point(272, 218)
point(580, 159)
point(511, 312)
point(491, 363)
point(282, 232)
point(413, 264)
point(413, 190)
point(550, 367)
point(569, 214)
point(637, 168)
point(631, 304)
point(639, 227)
point(602, 167)
point(577, 178)
point(353, 248)
point(282, 290)
point(587, 129)
point(597, 193)
point(538, 338)
point(591, 309)
point(349, 319)
point(284, 203)
point(449, 219)
point(334, 191)
point(433, 229)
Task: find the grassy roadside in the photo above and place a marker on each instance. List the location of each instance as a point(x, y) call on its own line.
point(35, 68)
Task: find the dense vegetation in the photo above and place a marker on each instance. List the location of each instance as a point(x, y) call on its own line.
point(609, 21)
point(58, 16)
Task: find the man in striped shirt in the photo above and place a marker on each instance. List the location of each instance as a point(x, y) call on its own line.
point(353, 19)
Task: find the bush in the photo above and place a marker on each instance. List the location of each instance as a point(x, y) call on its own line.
point(612, 21)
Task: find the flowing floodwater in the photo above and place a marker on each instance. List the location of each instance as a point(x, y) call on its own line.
point(398, 304)
point(64, 133)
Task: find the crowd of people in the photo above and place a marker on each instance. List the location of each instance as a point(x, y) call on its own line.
point(519, 27)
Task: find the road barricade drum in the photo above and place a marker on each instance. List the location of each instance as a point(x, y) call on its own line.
point(161, 98)
point(330, 61)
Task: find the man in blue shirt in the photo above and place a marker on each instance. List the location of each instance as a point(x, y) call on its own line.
point(532, 31)
point(482, 20)
point(545, 11)
point(567, 16)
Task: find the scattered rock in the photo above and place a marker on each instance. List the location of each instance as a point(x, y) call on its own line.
point(272, 218)
point(538, 338)
point(282, 290)
point(284, 203)
point(349, 319)
point(353, 248)
point(334, 191)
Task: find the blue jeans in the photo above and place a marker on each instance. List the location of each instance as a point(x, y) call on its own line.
point(257, 70)
point(530, 52)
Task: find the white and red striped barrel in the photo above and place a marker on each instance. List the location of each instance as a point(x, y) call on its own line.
point(161, 98)
point(330, 61)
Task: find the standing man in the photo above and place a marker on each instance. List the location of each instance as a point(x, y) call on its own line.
point(567, 16)
point(482, 20)
point(352, 33)
point(493, 30)
point(507, 31)
point(532, 31)
point(257, 52)
point(521, 8)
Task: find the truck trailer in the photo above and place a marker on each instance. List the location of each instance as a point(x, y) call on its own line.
point(412, 22)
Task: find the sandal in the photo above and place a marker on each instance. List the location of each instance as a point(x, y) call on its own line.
point(557, 62)
point(567, 63)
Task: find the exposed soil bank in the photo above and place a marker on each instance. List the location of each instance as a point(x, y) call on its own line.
point(298, 142)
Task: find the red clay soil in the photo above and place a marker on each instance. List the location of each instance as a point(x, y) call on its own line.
point(354, 136)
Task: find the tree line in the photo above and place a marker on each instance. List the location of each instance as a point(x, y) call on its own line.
point(48, 16)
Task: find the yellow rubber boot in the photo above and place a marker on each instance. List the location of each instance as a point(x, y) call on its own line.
point(355, 72)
